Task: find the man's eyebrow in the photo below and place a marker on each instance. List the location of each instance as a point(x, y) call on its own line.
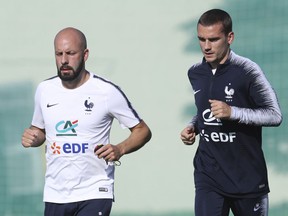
point(209, 38)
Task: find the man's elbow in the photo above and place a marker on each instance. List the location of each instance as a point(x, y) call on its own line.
point(277, 119)
point(148, 135)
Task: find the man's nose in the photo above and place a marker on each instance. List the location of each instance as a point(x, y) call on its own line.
point(207, 45)
point(64, 59)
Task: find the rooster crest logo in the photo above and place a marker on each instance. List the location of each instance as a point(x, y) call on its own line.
point(229, 92)
point(88, 105)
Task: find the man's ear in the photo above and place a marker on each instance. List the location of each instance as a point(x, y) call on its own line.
point(86, 54)
point(230, 37)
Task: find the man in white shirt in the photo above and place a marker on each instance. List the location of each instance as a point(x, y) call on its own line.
point(73, 113)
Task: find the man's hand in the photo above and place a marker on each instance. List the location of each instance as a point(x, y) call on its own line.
point(139, 136)
point(108, 152)
point(33, 137)
point(220, 110)
point(188, 135)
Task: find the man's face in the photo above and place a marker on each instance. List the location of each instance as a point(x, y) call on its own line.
point(214, 43)
point(70, 57)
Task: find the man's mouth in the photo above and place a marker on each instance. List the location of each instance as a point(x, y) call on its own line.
point(65, 69)
point(208, 54)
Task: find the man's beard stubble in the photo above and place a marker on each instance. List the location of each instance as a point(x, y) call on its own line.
point(75, 73)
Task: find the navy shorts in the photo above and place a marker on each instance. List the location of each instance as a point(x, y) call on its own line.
point(94, 207)
point(208, 203)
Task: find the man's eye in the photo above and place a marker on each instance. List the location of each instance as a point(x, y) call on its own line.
point(214, 39)
point(71, 53)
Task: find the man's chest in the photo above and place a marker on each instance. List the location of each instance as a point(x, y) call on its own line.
point(67, 113)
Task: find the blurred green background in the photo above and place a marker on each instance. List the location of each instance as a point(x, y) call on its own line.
point(146, 47)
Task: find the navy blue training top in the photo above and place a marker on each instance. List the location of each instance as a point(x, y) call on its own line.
point(229, 158)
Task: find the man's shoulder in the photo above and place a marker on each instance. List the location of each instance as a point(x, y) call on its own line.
point(55, 80)
point(50, 80)
point(196, 66)
point(102, 82)
point(241, 61)
point(199, 68)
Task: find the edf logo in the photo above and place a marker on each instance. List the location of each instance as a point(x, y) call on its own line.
point(69, 148)
point(75, 148)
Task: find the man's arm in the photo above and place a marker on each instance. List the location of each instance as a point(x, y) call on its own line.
point(261, 117)
point(265, 110)
point(33, 137)
point(264, 116)
point(139, 136)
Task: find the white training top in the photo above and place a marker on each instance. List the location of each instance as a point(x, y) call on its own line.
point(75, 121)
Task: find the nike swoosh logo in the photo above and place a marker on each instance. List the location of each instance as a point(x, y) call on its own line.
point(257, 207)
point(51, 105)
point(195, 92)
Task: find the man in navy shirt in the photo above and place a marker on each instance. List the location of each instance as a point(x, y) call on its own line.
point(234, 101)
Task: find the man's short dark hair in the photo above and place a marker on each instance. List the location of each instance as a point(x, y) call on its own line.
point(215, 16)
